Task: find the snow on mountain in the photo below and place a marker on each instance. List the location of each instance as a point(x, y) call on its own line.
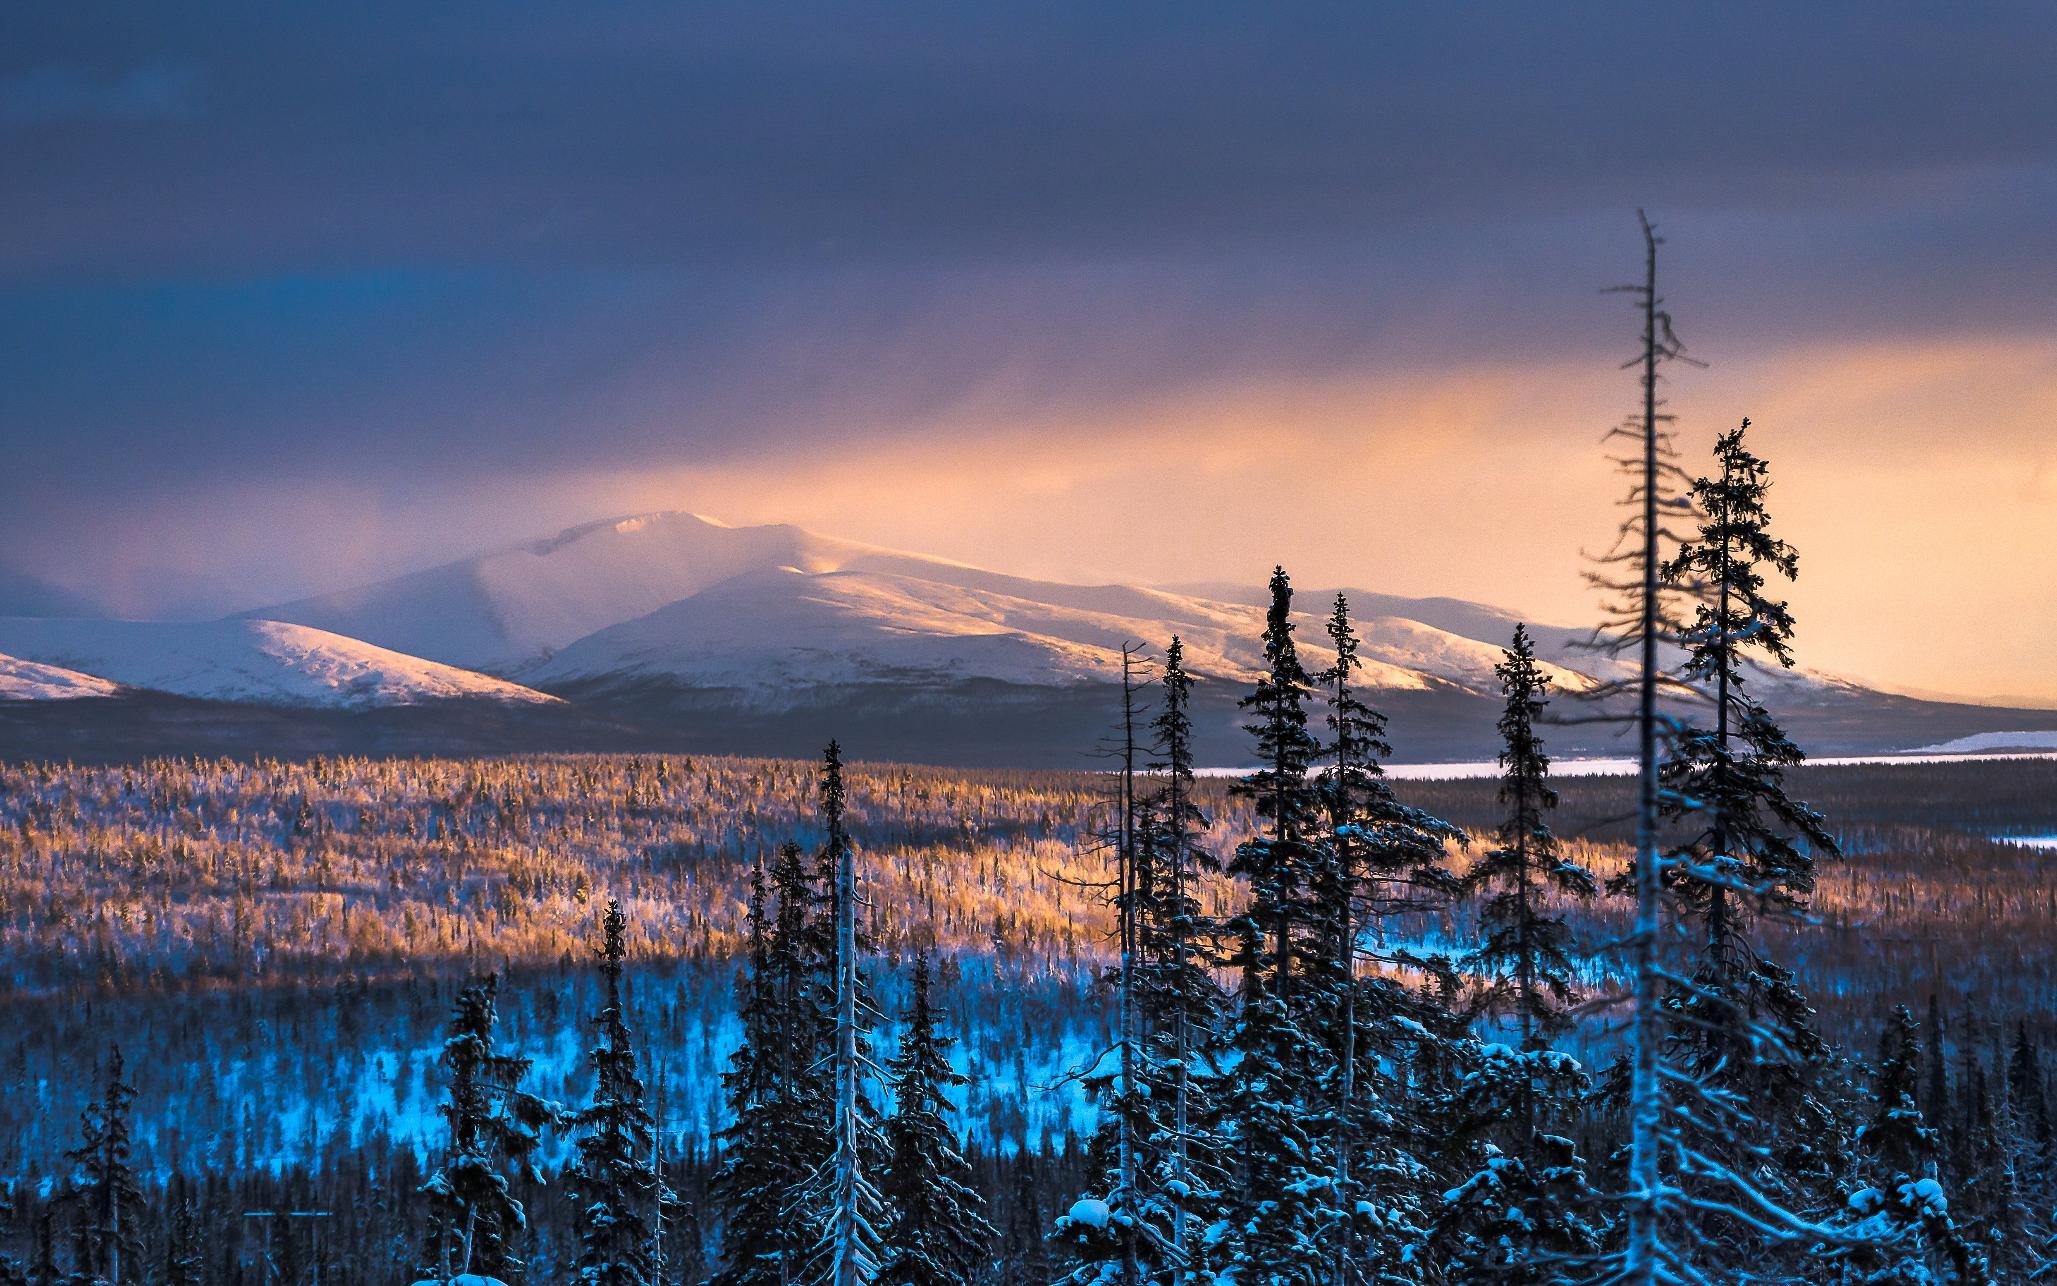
point(512, 607)
point(787, 626)
point(689, 599)
point(22, 680)
point(1989, 742)
point(263, 662)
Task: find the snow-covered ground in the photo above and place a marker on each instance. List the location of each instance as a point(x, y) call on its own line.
point(267, 662)
point(22, 680)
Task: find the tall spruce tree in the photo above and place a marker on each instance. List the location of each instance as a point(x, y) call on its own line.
point(1741, 1026)
point(1528, 1214)
point(937, 1234)
point(842, 1198)
point(1282, 1198)
point(473, 1216)
point(614, 1178)
point(1696, 1154)
point(1177, 993)
point(104, 1192)
point(2025, 1090)
point(1379, 860)
point(1120, 1232)
point(1524, 944)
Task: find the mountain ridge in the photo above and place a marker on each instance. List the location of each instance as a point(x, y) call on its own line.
point(673, 630)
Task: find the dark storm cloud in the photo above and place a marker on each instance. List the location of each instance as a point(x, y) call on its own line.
point(672, 134)
point(386, 242)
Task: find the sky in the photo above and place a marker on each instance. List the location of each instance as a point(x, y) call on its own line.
point(297, 297)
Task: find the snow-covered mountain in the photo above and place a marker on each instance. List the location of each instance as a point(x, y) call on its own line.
point(512, 607)
point(249, 661)
point(687, 600)
point(671, 630)
point(22, 680)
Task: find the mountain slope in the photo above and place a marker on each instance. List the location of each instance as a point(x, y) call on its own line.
point(22, 680)
point(787, 627)
point(512, 607)
point(258, 662)
point(675, 629)
point(679, 596)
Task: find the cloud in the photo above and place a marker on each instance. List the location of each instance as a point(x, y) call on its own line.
point(419, 278)
point(58, 93)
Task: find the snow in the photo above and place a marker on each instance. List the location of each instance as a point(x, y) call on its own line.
point(1926, 1193)
point(686, 597)
point(2044, 739)
point(2029, 841)
point(266, 662)
point(22, 680)
point(1090, 1212)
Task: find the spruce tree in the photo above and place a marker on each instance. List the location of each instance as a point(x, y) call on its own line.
point(1903, 1234)
point(1280, 862)
point(1179, 998)
point(1379, 860)
point(473, 1217)
point(1280, 1199)
point(742, 1187)
point(1120, 1232)
point(184, 1251)
point(842, 1198)
point(104, 1192)
point(1523, 944)
point(614, 1179)
point(776, 1135)
point(937, 1234)
point(1749, 848)
point(2025, 1091)
point(1527, 1215)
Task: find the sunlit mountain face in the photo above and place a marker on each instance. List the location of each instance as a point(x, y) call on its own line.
point(675, 630)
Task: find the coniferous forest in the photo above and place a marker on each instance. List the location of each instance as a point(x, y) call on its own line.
point(638, 1020)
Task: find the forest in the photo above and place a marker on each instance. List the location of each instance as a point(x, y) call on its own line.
point(628, 1020)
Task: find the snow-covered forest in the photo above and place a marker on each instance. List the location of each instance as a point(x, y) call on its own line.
point(654, 1019)
point(279, 952)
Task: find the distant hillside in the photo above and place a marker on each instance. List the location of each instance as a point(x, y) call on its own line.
point(258, 662)
point(671, 631)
